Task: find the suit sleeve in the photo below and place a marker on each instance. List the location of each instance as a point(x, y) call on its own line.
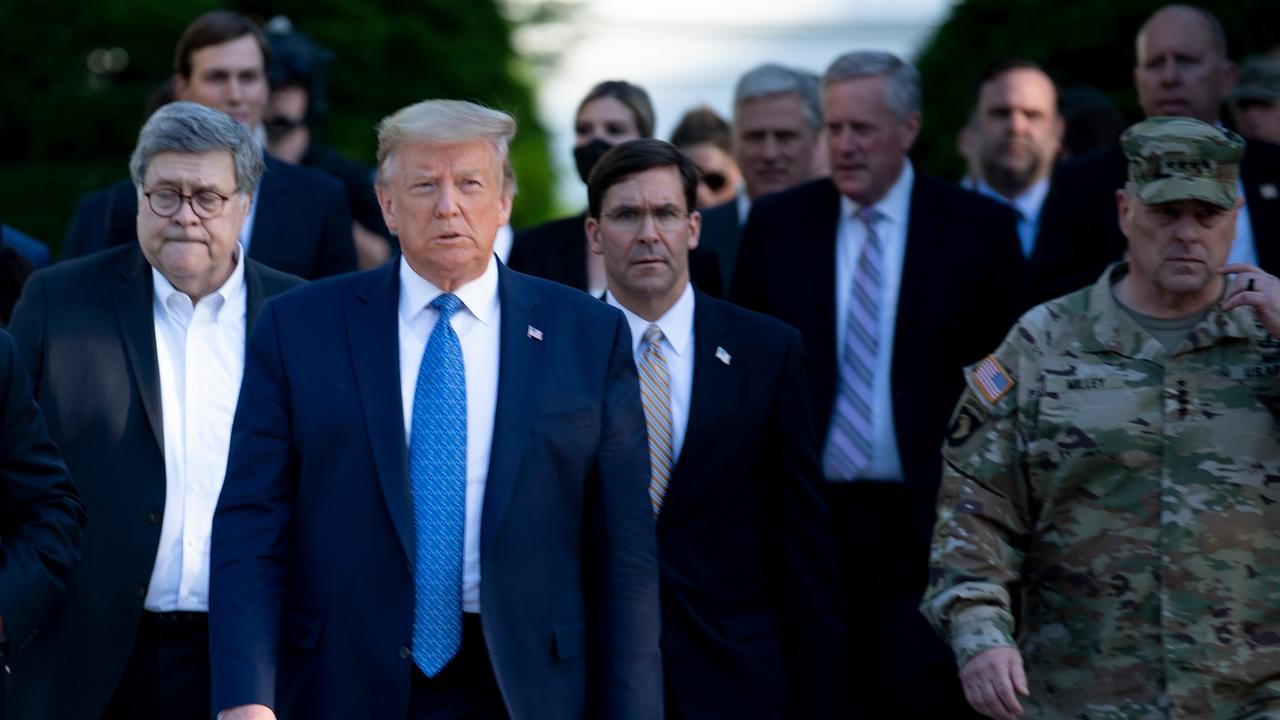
point(803, 552)
point(40, 515)
point(337, 244)
point(251, 528)
point(626, 675)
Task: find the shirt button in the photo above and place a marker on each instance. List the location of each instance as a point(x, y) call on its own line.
point(405, 653)
point(139, 590)
point(153, 517)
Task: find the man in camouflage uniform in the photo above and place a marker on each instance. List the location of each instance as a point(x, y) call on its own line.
point(1110, 507)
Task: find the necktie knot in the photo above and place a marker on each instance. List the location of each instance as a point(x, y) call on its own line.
point(446, 304)
point(653, 335)
point(868, 214)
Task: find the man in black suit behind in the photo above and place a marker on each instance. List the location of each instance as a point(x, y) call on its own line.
point(751, 623)
point(1182, 69)
point(895, 281)
point(40, 515)
point(300, 222)
point(136, 355)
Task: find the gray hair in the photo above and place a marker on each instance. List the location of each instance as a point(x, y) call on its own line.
point(902, 80)
point(447, 122)
point(187, 127)
point(772, 79)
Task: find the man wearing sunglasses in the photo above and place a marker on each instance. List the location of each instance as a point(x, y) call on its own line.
point(136, 355)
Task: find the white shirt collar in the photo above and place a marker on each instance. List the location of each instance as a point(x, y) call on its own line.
point(676, 323)
point(895, 205)
point(479, 296)
point(164, 292)
point(744, 207)
point(1028, 203)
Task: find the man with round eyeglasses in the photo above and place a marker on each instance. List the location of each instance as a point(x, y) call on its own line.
point(136, 354)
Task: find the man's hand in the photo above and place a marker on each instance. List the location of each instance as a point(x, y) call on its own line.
point(1255, 288)
point(247, 712)
point(990, 680)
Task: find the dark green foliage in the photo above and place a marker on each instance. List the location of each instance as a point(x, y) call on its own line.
point(1079, 42)
point(65, 130)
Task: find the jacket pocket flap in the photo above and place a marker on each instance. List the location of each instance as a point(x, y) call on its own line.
point(570, 640)
point(566, 420)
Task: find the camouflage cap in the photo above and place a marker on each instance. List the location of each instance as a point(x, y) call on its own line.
point(1259, 79)
point(1179, 158)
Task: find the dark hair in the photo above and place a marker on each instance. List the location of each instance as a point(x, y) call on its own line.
point(214, 28)
point(298, 61)
point(636, 156)
point(1000, 66)
point(633, 96)
point(702, 125)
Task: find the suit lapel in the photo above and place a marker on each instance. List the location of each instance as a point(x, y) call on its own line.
point(519, 377)
point(922, 224)
point(266, 222)
point(133, 301)
point(253, 296)
point(823, 256)
point(373, 332)
point(711, 386)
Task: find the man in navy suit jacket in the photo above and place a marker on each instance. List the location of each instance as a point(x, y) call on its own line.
point(300, 222)
point(40, 515)
point(948, 286)
point(318, 601)
point(752, 625)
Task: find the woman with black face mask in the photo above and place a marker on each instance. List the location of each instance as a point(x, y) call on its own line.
point(613, 112)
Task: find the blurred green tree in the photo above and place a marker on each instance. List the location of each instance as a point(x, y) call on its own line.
point(77, 77)
point(1081, 42)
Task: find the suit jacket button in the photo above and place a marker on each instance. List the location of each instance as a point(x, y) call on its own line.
point(139, 590)
point(153, 517)
point(405, 653)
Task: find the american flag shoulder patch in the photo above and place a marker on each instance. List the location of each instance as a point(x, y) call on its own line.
point(991, 380)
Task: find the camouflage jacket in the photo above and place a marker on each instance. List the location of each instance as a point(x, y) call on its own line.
point(1115, 514)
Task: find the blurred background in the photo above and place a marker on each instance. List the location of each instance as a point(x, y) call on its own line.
point(77, 76)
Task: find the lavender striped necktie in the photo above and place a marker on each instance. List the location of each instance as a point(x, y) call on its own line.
point(848, 449)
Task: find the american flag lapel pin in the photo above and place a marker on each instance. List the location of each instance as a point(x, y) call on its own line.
point(723, 355)
point(535, 333)
point(1268, 191)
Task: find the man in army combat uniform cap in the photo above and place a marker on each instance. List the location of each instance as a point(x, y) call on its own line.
point(1108, 535)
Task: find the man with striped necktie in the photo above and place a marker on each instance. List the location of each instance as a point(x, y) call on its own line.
point(751, 617)
point(896, 281)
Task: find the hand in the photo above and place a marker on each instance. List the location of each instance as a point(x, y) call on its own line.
point(1255, 288)
point(247, 712)
point(990, 680)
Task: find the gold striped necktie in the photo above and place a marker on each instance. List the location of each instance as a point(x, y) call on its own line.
point(655, 395)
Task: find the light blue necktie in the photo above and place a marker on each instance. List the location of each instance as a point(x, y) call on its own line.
point(438, 472)
point(848, 449)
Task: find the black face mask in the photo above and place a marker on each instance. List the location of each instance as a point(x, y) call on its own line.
point(586, 156)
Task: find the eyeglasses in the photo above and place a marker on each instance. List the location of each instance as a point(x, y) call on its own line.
point(665, 218)
point(166, 203)
point(714, 180)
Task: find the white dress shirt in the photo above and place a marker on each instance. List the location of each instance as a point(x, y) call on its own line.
point(1242, 248)
point(676, 325)
point(744, 207)
point(200, 358)
point(246, 231)
point(477, 325)
point(1027, 205)
point(851, 235)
